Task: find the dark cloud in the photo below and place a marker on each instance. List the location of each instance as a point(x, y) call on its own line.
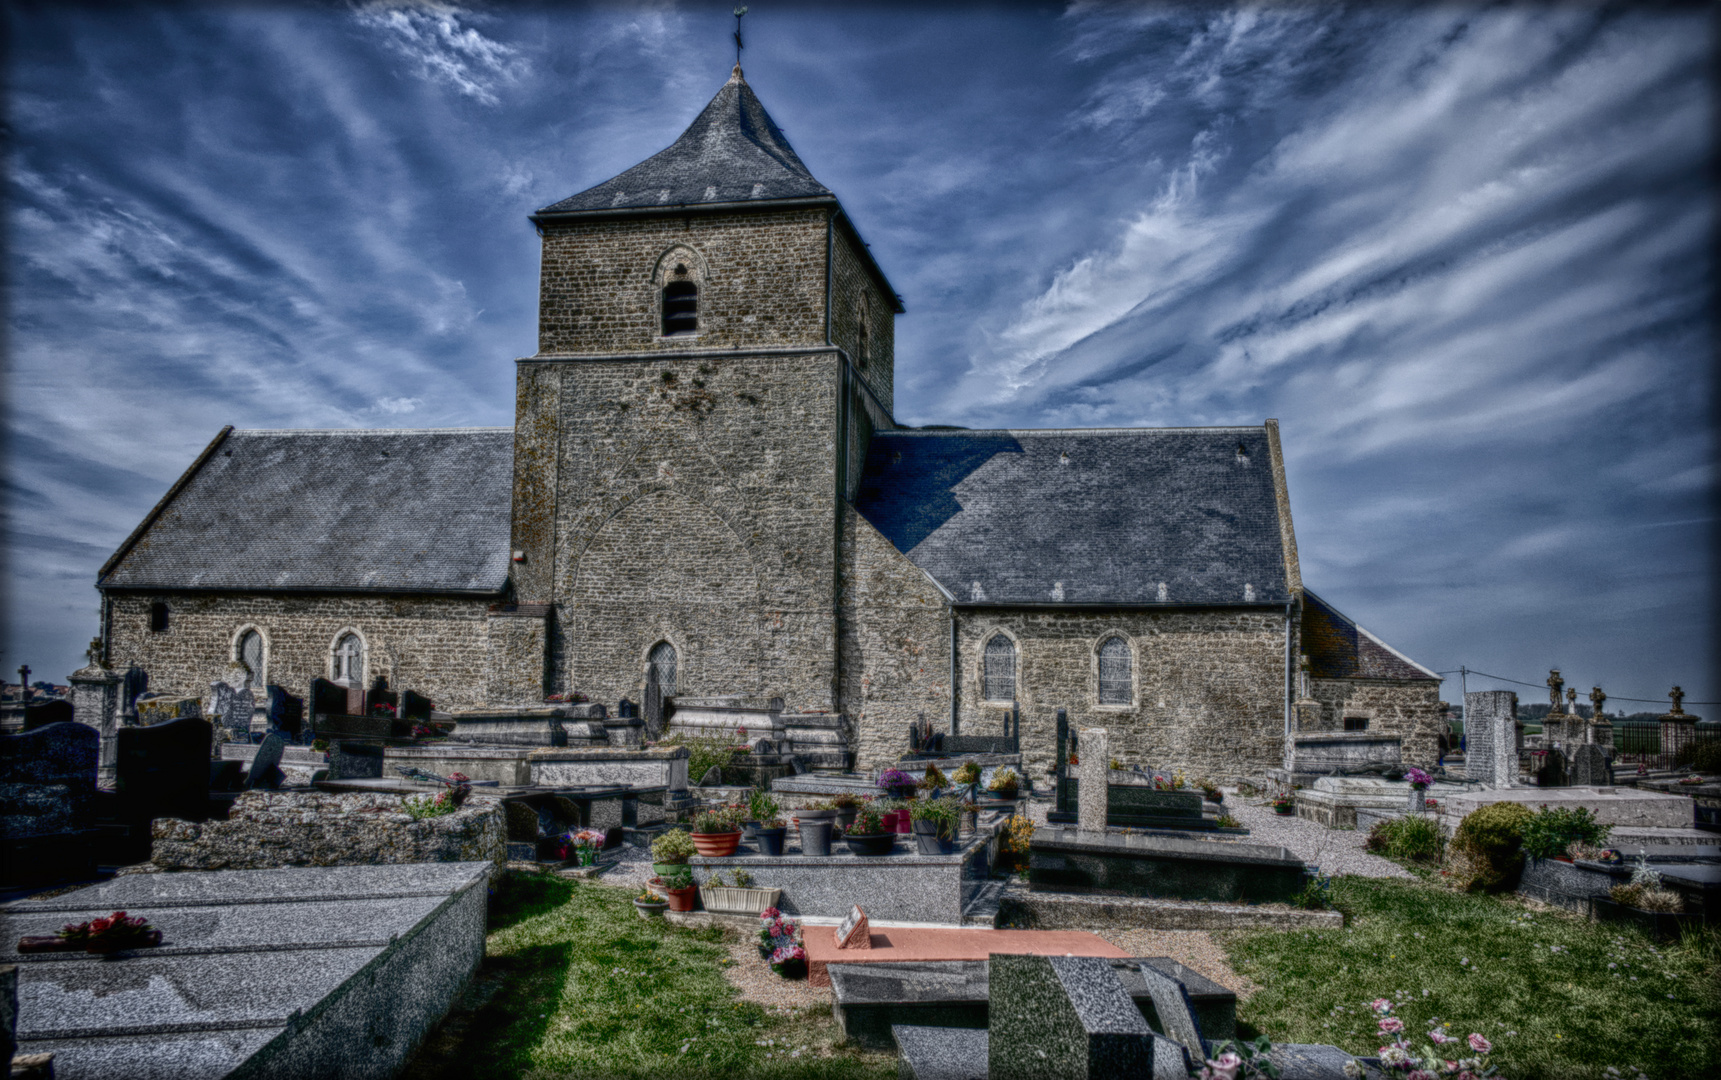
point(1461, 253)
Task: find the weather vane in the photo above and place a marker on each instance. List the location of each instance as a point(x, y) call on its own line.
point(740, 11)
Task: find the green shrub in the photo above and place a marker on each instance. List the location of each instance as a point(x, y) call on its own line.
point(1549, 832)
point(1414, 837)
point(943, 813)
point(674, 846)
point(703, 754)
point(1488, 844)
point(1703, 756)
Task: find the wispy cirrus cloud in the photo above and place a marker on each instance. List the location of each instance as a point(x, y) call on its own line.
point(446, 46)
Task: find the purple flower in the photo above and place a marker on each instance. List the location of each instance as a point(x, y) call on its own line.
point(1418, 777)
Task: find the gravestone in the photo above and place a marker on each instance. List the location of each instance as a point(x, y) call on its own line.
point(854, 932)
point(163, 770)
point(627, 710)
point(133, 685)
point(47, 801)
point(164, 708)
point(1590, 767)
point(327, 699)
point(266, 765)
point(1174, 1011)
point(415, 706)
point(232, 710)
point(354, 760)
point(712, 778)
point(1492, 737)
point(1063, 1018)
point(41, 714)
point(380, 694)
point(1553, 770)
point(286, 712)
point(1095, 775)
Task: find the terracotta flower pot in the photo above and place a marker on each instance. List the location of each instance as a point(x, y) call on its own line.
point(717, 845)
point(682, 899)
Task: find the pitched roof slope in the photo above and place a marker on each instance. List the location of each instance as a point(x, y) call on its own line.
point(417, 511)
point(733, 152)
point(1082, 517)
point(1338, 648)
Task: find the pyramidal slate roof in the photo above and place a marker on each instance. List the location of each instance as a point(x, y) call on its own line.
point(1338, 648)
point(733, 153)
point(393, 510)
point(1083, 517)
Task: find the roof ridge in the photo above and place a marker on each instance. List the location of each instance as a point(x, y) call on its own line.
point(366, 431)
point(1074, 431)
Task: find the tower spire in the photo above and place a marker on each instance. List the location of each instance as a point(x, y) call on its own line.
point(740, 11)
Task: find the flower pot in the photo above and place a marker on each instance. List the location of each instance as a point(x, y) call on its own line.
point(682, 899)
point(649, 909)
point(664, 869)
point(717, 845)
point(1214, 796)
point(901, 791)
point(1284, 811)
point(815, 815)
point(770, 841)
point(728, 900)
point(904, 821)
point(931, 844)
point(749, 829)
point(791, 969)
point(876, 844)
point(816, 837)
point(846, 816)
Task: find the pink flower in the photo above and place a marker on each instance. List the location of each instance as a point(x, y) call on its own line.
point(1479, 1044)
point(1421, 1074)
point(1392, 1024)
point(1438, 1037)
point(1224, 1067)
point(770, 913)
point(1382, 1006)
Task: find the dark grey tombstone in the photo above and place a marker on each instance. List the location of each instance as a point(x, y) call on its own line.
point(162, 771)
point(1062, 1018)
point(40, 715)
point(266, 766)
point(8, 1013)
point(133, 686)
point(415, 706)
point(353, 760)
point(713, 777)
point(286, 712)
point(1174, 1011)
point(1590, 767)
point(626, 709)
point(1553, 770)
point(63, 754)
point(327, 699)
point(47, 803)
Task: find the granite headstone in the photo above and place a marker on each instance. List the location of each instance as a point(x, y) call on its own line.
point(1174, 1011)
point(52, 711)
point(266, 765)
point(163, 770)
point(1590, 767)
point(1091, 794)
point(1553, 770)
point(1063, 1018)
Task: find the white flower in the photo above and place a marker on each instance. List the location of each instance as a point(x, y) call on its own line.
point(1353, 1068)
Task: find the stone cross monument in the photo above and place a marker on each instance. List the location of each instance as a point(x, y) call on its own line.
point(1678, 727)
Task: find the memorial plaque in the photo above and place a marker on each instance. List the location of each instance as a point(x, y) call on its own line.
point(853, 933)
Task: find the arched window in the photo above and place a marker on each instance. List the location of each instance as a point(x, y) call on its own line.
point(1116, 678)
point(251, 658)
point(680, 306)
point(663, 667)
point(1000, 669)
point(158, 617)
point(350, 661)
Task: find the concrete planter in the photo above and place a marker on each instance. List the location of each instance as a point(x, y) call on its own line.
point(728, 900)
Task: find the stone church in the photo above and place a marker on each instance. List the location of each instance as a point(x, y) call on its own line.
point(705, 494)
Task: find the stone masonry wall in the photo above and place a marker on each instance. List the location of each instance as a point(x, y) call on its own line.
point(1410, 710)
point(694, 503)
point(1209, 686)
point(895, 643)
point(762, 282)
point(434, 645)
point(515, 659)
point(850, 283)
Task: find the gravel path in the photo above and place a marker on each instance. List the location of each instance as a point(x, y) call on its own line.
point(1335, 851)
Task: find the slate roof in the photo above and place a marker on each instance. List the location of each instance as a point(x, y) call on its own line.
point(733, 152)
point(1338, 648)
point(1082, 517)
point(398, 510)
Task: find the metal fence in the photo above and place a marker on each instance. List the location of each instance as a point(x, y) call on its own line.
point(1640, 744)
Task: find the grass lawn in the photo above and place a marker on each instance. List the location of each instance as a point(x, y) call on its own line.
point(1561, 998)
point(582, 987)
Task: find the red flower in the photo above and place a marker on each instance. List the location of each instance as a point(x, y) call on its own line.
point(98, 926)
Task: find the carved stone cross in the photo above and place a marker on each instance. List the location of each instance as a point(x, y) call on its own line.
point(1555, 685)
point(1597, 699)
point(1678, 696)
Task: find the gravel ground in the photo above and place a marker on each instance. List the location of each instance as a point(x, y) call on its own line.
point(1335, 851)
point(1191, 948)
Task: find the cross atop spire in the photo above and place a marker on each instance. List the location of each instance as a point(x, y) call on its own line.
point(740, 11)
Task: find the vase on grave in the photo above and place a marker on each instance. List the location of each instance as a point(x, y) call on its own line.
point(816, 836)
point(770, 840)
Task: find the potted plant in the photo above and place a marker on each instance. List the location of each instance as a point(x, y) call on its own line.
point(868, 836)
point(933, 783)
point(671, 850)
point(893, 813)
point(1283, 804)
point(741, 898)
point(1418, 779)
point(679, 890)
point(768, 827)
point(815, 824)
point(847, 807)
point(649, 905)
point(1211, 793)
point(896, 783)
point(1005, 783)
point(715, 834)
point(935, 823)
point(968, 776)
point(583, 846)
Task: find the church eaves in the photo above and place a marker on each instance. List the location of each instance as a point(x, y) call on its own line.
point(733, 153)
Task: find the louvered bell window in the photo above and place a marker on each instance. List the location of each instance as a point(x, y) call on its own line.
point(1000, 669)
point(680, 308)
point(1115, 673)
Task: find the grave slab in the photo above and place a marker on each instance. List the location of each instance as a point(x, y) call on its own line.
point(938, 1053)
point(902, 944)
point(1075, 911)
point(337, 971)
point(1063, 1018)
point(1619, 806)
point(1124, 864)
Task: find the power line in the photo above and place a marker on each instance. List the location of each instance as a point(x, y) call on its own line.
point(1540, 686)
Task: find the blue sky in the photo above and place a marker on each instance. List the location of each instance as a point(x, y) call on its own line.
point(1462, 254)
